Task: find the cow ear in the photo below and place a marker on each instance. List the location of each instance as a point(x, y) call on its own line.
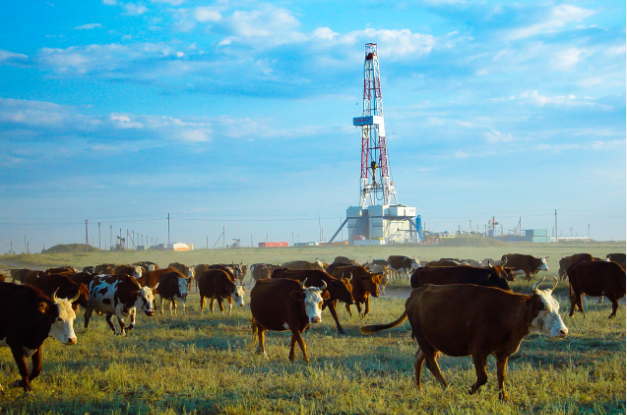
point(43, 307)
point(326, 295)
point(298, 296)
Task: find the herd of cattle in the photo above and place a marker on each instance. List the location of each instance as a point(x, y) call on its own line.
point(449, 308)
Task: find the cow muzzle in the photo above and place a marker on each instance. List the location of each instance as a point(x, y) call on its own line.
point(315, 319)
point(563, 333)
point(71, 341)
point(150, 313)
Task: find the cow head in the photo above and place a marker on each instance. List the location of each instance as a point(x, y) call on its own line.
point(313, 298)
point(137, 271)
point(562, 271)
point(543, 264)
point(63, 327)
point(548, 320)
point(371, 283)
point(146, 299)
point(341, 290)
point(238, 295)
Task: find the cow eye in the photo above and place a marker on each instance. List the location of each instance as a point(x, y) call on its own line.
point(59, 319)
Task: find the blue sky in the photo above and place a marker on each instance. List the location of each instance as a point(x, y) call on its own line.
point(238, 114)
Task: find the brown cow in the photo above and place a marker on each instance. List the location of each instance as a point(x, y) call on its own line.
point(462, 320)
point(134, 271)
point(616, 257)
point(26, 276)
point(463, 274)
point(317, 264)
point(444, 262)
point(567, 261)
point(65, 288)
point(58, 270)
point(186, 270)
point(284, 304)
point(525, 264)
point(364, 284)
point(151, 279)
point(338, 290)
point(596, 278)
point(261, 271)
point(217, 284)
point(106, 269)
point(172, 287)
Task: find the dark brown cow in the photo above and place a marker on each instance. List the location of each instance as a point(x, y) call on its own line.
point(345, 260)
point(339, 290)
point(59, 270)
point(364, 285)
point(463, 274)
point(261, 271)
point(27, 318)
point(284, 304)
point(616, 257)
point(172, 287)
point(567, 261)
point(217, 284)
point(27, 276)
point(81, 277)
point(64, 287)
point(527, 264)
point(186, 270)
point(151, 278)
point(462, 320)
point(444, 262)
point(596, 278)
point(331, 268)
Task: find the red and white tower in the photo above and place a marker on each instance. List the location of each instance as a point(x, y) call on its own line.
point(375, 186)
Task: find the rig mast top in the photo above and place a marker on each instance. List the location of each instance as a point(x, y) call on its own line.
point(375, 186)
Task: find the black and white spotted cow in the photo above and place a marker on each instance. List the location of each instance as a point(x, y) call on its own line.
point(120, 295)
point(401, 265)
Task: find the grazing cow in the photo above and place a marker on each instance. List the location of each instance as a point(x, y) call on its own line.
point(28, 276)
point(64, 287)
point(317, 264)
point(284, 304)
point(463, 274)
point(567, 261)
point(217, 284)
point(338, 289)
point(402, 265)
point(462, 320)
point(173, 287)
point(59, 270)
point(119, 295)
point(27, 318)
point(105, 269)
point(525, 264)
point(364, 285)
point(380, 269)
point(595, 278)
point(136, 271)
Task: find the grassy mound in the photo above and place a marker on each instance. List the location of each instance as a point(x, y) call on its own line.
point(70, 249)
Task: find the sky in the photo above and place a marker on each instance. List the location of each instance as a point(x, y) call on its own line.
point(238, 115)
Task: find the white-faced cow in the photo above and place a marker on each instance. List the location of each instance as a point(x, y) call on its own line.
point(172, 287)
point(27, 318)
point(283, 304)
point(462, 320)
point(218, 285)
point(525, 264)
point(119, 295)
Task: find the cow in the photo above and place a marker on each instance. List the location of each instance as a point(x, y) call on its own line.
point(120, 295)
point(3, 277)
point(27, 318)
point(284, 304)
point(616, 257)
point(151, 278)
point(136, 271)
point(317, 264)
point(58, 270)
point(173, 287)
point(595, 278)
point(527, 264)
point(364, 285)
point(380, 261)
point(444, 262)
point(336, 264)
point(463, 274)
point(147, 265)
point(489, 262)
point(217, 284)
point(64, 287)
point(261, 271)
point(462, 320)
point(28, 276)
point(89, 269)
point(105, 269)
point(338, 289)
point(471, 262)
point(345, 260)
point(188, 271)
point(402, 265)
point(81, 277)
point(380, 269)
point(242, 274)
point(567, 261)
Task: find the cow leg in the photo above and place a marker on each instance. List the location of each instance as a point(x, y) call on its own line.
point(203, 300)
point(36, 368)
point(220, 305)
point(88, 312)
point(170, 302)
point(367, 308)
point(482, 375)
point(614, 302)
point(109, 319)
point(432, 365)
point(296, 337)
point(22, 366)
point(261, 346)
point(348, 308)
point(332, 304)
point(212, 302)
point(161, 299)
point(358, 305)
point(420, 359)
point(501, 369)
point(132, 315)
point(527, 277)
point(230, 300)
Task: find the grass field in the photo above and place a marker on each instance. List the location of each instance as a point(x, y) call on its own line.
point(201, 364)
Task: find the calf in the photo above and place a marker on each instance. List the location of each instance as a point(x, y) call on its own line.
point(27, 318)
point(217, 284)
point(284, 304)
point(595, 278)
point(462, 320)
point(338, 290)
point(186, 270)
point(119, 295)
point(364, 284)
point(173, 287)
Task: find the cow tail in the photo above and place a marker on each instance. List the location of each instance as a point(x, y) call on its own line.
point(378, 327)
point(254, 338)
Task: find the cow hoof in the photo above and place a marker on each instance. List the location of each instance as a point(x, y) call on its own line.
point(341, 332)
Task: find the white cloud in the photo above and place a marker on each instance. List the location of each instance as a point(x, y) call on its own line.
point(207, 14)
point(88, 26)
point(194, 136)
point(459, 154)
point(133, 9)
point(495, 136)
point(558, 18)
point(124, 121)
point(110, 2)
point(275, 24)
point(567, 59)
point(543, 100)
point(170, 2)
point(7, 57)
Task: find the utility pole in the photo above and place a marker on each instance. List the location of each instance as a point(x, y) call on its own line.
point(555, 226)
point(98, 235)
point(110, 237)
point(251, 241)
point(86, 233)
point(168, 229)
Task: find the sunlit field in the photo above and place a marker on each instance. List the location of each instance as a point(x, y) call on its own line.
point(201, 364)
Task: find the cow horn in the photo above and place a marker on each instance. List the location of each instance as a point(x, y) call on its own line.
point(54, 295)
point(504, 262)
point(351, 276)
point(76, 297)
point(324, 286)
point(302, 284)
point(554, 285)
point(535, 286)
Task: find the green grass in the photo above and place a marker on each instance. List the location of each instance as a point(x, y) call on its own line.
point(201, 364)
